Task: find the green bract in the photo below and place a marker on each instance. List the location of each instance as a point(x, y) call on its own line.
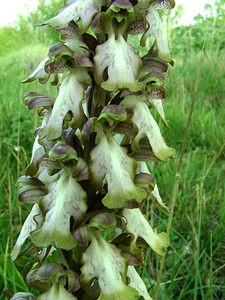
point(87, 178)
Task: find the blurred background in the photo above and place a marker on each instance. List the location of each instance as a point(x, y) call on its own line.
point(195, 264)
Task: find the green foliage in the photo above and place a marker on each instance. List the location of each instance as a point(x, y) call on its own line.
point(25, 31)
point(207, 31)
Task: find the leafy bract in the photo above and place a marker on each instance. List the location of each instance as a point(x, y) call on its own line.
point(80, 9)
point(66, 199)
point(57, 292)
point(104, 262)
point(69, 99)
point(119, 63)
point(110, 163)
point(139, 227)
point(156, 27)
point(32, 223)
point(147, 127)
point(137, 283)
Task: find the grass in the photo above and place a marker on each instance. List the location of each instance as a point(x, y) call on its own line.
point(195, 262)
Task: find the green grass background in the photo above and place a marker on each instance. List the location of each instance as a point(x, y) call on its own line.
point(195, 264)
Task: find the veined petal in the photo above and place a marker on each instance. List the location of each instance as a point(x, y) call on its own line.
point(137, 283)
point(31, 224)
point(157, 28)
point(104, 262)
point(110, 162)
point(57, 292)
point(147, 127)
point(139, 227)
point(66, 199)
point(121, 63)
point(80, 9)
point(69, 99)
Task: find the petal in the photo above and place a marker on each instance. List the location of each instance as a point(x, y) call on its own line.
point(69, 99)
point(31, 224)
point(104, 262)
point(157, 28)
point(147, 127)
point(120, 61)
point(80, 9)
point(137, 283)
point(38, 73)
point(66, 199)
point(139, 227)
point(110, 163)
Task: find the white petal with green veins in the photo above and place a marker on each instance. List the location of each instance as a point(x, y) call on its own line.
point(66, 199)
point(104, 262)
point(121, 62)
point(110, 162)
point(139, 227)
